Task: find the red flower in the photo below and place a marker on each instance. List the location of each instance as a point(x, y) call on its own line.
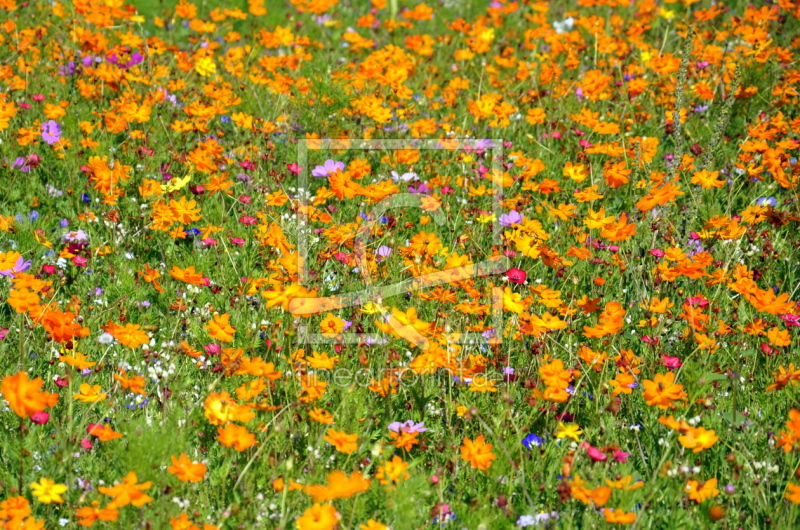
point(516, 275)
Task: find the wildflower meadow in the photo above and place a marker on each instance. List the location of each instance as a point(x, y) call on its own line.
point(394, 264)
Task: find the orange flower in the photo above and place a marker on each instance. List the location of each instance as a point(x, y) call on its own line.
point(404, 440)
point(339, 486)
point(699, 492)
point(321, 416)
point(22, 300)
point(77, 360)
point(331, 325)
point(129, 335)
point(187, 275)
point(90, 393)
point(186, 470)
point(793, 493)
point(319, 517)
point(662, 391)
point(61, 326)
point(618, 516)
point(89, 514)
point(236, 436)
point(219, 328)
point(24, 395)
point(127, 492)
point(478, 453)
point(393, 471)
point(135, 384)
point(698, 438)
point(150, 276)
point(343, 442)
point(221, 408)
point(103, 432)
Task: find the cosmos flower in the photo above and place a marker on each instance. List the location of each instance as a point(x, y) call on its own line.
point(51, 132)
point(407, 426)
point(330, 167)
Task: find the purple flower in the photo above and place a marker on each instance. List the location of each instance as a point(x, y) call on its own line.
point(407, 426)
point(383, 251)
point(330, 167)
point(422, 188)
point(136, 58)
point(26, 163)
point(75, 237)
point(67, 69)
point(510, 218)
point(20, 266)
point(51, 132)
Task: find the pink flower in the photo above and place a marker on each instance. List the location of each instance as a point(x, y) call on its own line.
point(210, 242)
point(248, 220)
point(40, 418)
point(294, 168)
point(671, 362)
point(517, 275)
point(86, 443)
point(697, 301)
point(657, 252)
point(238, 241)
point(594, 453)
point(621, 456)
point(80, 261)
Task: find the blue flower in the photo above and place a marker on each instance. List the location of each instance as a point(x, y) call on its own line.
point(533, 440)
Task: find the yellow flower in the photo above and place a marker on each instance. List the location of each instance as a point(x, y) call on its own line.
point(90, 393)
point(569, 431)
point(205, 66)
point(48, 491)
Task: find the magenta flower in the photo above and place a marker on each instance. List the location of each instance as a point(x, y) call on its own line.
point(40, 418)
point(594, 453)
point(621, 456)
